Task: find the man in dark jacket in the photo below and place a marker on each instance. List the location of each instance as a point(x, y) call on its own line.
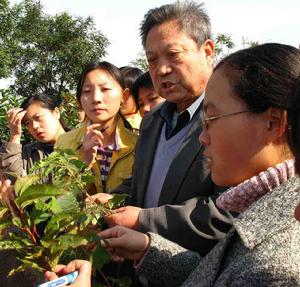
point(171, 190)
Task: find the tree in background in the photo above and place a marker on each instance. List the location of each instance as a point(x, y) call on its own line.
point(223, 45)
point(46, 53)
point(247, 43)
point(5, 29)
point(140, 62)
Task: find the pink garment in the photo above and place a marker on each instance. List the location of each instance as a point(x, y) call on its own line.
point(240, 197)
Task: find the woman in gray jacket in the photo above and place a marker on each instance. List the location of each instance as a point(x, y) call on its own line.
point(245, 134)
point(248, 119)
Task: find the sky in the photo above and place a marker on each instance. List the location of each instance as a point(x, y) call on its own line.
point(119, 20)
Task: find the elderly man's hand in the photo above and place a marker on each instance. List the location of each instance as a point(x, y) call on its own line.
point(99, 198)
point(127, 216)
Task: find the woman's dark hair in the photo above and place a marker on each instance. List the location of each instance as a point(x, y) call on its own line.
point(130, 74)
point(109, 68)
point(49, 103)
point(294, 125)
point(263, 76)
point(143, 81)
point(267, 76)
point(105, 66)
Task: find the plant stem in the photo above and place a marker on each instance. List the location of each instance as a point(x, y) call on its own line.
point(105, 279)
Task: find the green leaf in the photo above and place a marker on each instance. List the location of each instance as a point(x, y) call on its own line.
point(54, 255)
point(17, 222)
point(100, 257)
point(116, 201)
point(88, 178)
point(62, 223)
point(38, 216)
point(8, 244)
point(78, 163)
point(3, 211)
point(26, 264)
point(68, 201)
point(35, 192)
point(54, 206)
point(22, 183)
point(4, 224)
point(72, 241)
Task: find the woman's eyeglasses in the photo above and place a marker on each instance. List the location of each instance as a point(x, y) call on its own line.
point(206, 120)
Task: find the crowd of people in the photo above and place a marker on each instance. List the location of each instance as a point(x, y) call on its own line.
point(209, 154)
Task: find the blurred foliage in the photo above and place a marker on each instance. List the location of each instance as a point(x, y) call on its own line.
point(8, 100)
point(44, 54)
point(51, 223)
point(140, 62)
point(69, 110)
point(223, 45)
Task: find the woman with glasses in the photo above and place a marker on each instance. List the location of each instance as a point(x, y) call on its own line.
point(249, 127)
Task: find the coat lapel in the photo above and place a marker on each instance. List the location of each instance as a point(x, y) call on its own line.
point(208, 269)
point(146, 152)
point(185, 156)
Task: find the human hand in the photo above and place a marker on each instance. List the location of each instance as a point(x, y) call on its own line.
point(83, 267)
point(127, 216)
point(124, 243)
point(14, 118)
point(91, 141)
point(8, 195)
point(99, 198)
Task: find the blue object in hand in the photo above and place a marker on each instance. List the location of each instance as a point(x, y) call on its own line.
point(61, 281)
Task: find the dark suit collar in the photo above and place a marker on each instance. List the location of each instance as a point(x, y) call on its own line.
point(183, 159)
point(189, 150)
point(168, 109)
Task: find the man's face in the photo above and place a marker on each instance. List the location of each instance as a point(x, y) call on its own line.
point(179, 68)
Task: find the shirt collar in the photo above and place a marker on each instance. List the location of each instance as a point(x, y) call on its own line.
point(195, 105)
point(168, 111)
point(116, 144)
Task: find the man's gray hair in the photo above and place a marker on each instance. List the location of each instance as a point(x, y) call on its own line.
point(189, 16)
